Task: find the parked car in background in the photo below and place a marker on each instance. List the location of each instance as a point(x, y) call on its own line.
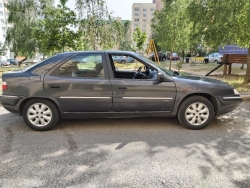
point(65, 87)
point(13, 61)
point(161, 56)
point(130, 60)
point(213, 58)
point(173, 56)
point(4, 63)
point(119, 59)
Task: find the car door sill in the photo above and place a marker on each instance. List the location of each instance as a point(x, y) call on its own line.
point(80, 115)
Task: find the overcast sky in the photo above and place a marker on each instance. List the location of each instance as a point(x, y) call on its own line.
point(121, 8)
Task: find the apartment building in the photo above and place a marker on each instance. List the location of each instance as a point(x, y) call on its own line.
point(142, 14)
point(3, 26)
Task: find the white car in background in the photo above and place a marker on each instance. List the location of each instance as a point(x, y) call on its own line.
point(4, 63)
point(213, 58)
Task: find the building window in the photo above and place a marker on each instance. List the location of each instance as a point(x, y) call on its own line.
point(144, 20)
point(2, 20)
point(1, 5)
point(144, 15)
point(144, 10)
point(1, 13)
point(137, 8)
point(136, 19)
point(152, 9)
point(135, 25)
point(136, 14)
point(4, 29)
point(144, 25)
point(4, 36)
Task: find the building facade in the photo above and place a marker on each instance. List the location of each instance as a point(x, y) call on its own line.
point(4, 14)
point(159, 4)
point(142, 14)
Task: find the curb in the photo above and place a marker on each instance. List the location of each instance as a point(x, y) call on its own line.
point(245, 97)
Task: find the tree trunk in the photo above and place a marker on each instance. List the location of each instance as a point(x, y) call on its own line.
point(183, 56)
point(247, 76)
point(20, 62)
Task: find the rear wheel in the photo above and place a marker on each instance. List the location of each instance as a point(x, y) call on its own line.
point(123, 61)
point(40, 114)
point(196, 112)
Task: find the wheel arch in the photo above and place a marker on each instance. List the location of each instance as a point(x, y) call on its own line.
point(28, 99)
point(209, 97)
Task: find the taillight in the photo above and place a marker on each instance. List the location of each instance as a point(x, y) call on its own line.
point(4, 86)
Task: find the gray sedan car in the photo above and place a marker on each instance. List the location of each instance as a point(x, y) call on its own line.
point(88, 84)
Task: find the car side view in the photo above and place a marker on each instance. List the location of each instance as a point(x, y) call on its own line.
point(91, 84)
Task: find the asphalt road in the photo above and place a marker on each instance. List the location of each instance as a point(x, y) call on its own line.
point(135, 152)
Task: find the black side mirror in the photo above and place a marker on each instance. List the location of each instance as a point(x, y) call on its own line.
point(160, 76)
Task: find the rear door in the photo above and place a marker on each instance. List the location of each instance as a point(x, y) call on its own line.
point(81, 84)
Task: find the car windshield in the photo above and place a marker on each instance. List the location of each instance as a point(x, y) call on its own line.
point(169, 72)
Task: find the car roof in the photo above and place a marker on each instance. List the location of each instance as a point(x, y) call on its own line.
point(101, 51)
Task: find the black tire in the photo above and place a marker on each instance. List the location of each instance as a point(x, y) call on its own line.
point(123, 61)
point(216, 61)
point(53, 115)
point(206, 110)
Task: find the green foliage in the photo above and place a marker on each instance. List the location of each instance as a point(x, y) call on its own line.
point(124, 35)
point(140, 38)
point(222, 22)
point(171, 28)
point(3, 48)
point(53, 32)
point(22, 16)
point(96, 23)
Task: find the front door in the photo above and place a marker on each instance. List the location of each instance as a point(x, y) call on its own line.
point(81, 84)
point(142, 92)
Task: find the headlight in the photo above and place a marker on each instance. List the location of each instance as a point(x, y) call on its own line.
point(236, 92)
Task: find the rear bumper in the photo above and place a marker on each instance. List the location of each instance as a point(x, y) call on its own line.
point(11, 103)
point(228, 104)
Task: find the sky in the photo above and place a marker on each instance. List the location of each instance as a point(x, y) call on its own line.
point(121, 8)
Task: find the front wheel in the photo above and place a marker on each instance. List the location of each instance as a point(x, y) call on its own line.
point(196, 112)
point(40, 114)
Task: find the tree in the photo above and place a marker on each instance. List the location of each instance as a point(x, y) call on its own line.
point(223, 22)
point(124, 35)
point(140, 38)
point(171, 27)
point(53, 32)
point(22, 17)
point(3, 48)
point(95, 22)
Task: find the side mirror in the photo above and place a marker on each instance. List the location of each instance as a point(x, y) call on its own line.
point(160, 77)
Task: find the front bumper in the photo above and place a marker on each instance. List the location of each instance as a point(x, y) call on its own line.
point(11, 103)
point(228, 104)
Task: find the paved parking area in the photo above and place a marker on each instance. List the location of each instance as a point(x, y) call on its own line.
point(135, 152)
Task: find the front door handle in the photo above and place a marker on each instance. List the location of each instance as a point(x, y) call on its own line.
point(54, 86)
point(122, 88)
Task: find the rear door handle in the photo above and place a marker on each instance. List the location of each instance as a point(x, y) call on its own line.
point(122, 88)
point(54, 86)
